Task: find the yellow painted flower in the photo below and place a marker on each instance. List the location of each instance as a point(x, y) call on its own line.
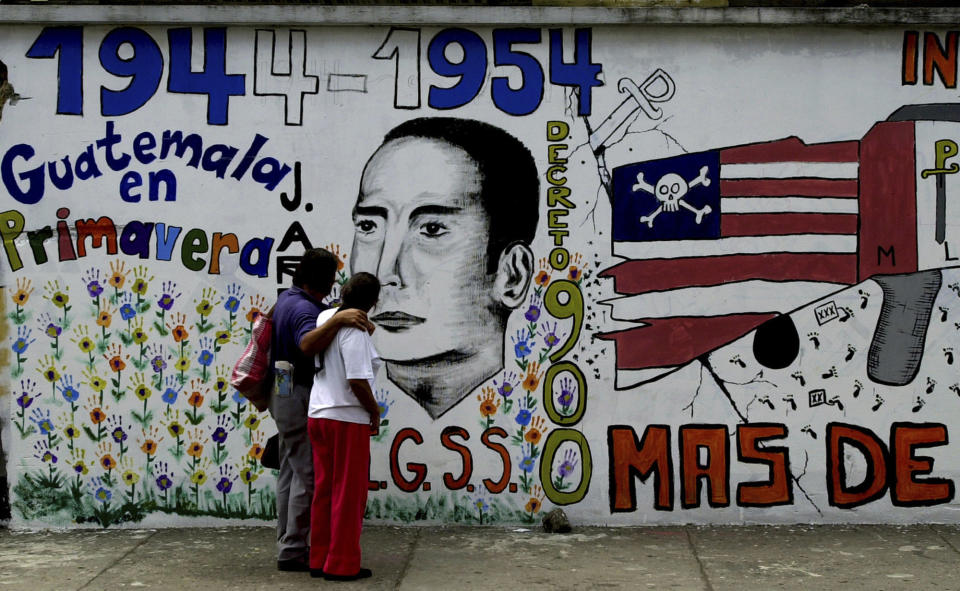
point(130, 477)
point(252, 422)
point(182, 364)
point(198, 477)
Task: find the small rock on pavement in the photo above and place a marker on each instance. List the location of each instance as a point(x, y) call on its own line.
point(556, 522)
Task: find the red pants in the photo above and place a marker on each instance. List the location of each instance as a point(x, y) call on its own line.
point(341, 471)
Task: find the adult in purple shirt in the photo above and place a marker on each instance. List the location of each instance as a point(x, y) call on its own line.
point(296, 340)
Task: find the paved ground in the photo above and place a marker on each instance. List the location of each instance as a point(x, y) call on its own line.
point(704, 558)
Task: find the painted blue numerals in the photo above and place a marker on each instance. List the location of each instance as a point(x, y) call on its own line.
point(144, 68)
point(582, 73)
point(213, 80)
point(68, 41)
point(128, 52)
point(526, 98)
point(471, 69)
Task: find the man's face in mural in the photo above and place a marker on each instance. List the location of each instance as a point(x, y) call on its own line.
point(420, 226)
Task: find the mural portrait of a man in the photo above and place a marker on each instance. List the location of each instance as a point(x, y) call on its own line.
point(446, 211)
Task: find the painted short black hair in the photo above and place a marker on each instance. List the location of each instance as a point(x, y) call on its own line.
point(361, 291)
point(510, 192)
point(317, 270)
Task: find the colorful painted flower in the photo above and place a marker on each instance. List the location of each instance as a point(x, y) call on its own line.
point(179, 333)
point(533, 505)
point(195, 449)
point(542, 278)
point(97, 384)
point(20, 298)
point(119, 435)
point(533, 436)
point(142, 391)
point(523, 417)
point(175, 429)
point(566, 468)
point(164, 482)
point(103, 495)
point(119, 277)
point(225, 485)
point(481, 505)
point(94, 289)
point(251, 422)
point(104, 319)
point(170, 395)
point(195, 400)
point(51, 374)
point(205, 358)
point(97, 416)
point(149, 447)
point(60, 299)
point(182, 364)
point(204, 308)
point(86, 344)
point(45, 426)
point(130, 478)
point(232, 305)
point(166, 302)
point(116, 364)
point(80, 467)
point(253, 314)
point(48, 457)
point(20, 345)
point(220, 384)
point(256, 451)
point(25, 400)
point(127, 312)
point(70, 394)
point(219, 435)
point(551, 339)
point(533, 312)
point(199, 477)
point(53, 331)
point(158, 363)
point(248, 475)
point(108, 462)
point(532, 379)
point(527, 464)
point(139, 336)
point(223, 337)
point(71, 432)
point(140, 286)
point(575, 273)
point(522, 344)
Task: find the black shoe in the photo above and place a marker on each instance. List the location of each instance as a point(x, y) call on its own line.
point(293, 565)
point(363, 573)
point(316, 573)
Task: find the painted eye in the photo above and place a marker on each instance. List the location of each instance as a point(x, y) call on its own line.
point(433, 229)
point(675, 188)
point(664, 189)
point(366, 225)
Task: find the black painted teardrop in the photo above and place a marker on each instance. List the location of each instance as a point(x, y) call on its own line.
point(776, 343)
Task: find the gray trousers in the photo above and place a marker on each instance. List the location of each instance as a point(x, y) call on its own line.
point(295, 482)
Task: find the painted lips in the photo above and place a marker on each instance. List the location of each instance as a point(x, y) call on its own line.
point(397, 320)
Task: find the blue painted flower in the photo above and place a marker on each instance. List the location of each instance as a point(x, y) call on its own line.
point(42, 421)
point(94, 288)
point(527, 464)
point(103, 495)
point(158, 364)
point(127, 311)
point(23, 341)
point(48, 457)
point(225, 485)
point(70, 394)
point(481, 505)
point(505, 389)
point(523, 417)
point(205, 358)
point(53, 331)
point(566, 468)
point(238, 397)
point(165, 302)
point(219, 435)
point(119, 435)
point(521, 344)
point(232, 305)
point(170, 395)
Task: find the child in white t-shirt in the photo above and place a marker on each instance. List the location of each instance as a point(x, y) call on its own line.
point(341, 417)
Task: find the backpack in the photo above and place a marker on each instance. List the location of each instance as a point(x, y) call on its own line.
point(251, 373)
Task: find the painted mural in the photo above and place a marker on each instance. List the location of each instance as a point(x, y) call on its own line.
point(646, 275)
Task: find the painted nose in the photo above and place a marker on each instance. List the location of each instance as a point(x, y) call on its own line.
point(389, 268)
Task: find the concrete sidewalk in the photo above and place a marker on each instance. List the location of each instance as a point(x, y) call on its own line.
point(709, 558)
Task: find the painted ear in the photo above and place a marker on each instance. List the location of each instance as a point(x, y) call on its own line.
point(514, 273)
